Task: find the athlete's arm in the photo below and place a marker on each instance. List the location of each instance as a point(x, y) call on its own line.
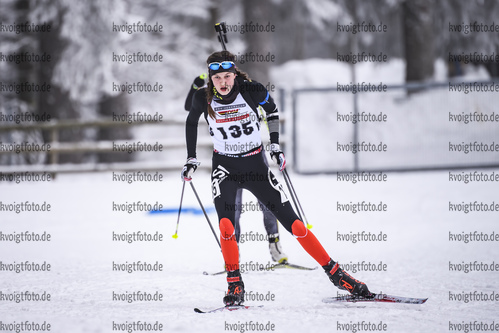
point(199, 105)
point(261, 96)
point(196, 85)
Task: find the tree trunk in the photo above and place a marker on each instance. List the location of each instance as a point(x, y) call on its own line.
point(418, 39)
point(257, 11)
point(57, 102)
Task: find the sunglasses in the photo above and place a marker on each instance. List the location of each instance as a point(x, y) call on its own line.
point(214, 66)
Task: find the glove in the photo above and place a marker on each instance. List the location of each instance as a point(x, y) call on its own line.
point(189, 167)
point(277, 156)
point(199, 81)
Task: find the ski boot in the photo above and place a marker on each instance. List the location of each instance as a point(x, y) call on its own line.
point(235, 293)
point(276, 250)
point(345, 281)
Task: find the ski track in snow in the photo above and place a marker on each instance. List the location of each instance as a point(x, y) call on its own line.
point(81, 281)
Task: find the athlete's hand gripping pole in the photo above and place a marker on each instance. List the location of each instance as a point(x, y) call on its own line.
point(189, 167)
point(277, 156)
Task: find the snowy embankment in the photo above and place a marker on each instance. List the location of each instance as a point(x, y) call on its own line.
point(417, 254)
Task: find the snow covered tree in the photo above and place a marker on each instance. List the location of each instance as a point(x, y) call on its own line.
point(456, 13)
point(11, 43)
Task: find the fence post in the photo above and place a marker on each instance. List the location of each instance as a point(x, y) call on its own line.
point(54, 138)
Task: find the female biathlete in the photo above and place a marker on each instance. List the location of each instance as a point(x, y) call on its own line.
point(269, 220)
point(229, 105)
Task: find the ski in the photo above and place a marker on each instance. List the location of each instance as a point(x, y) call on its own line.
point(383, 298)
point(228, 308)
point(284, 264)
point(216, 273)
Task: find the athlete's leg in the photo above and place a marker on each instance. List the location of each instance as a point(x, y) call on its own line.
point(269, 220)
point(271, 193)
point(224, 191)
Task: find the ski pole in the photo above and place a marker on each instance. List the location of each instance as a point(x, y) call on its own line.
point(296, 201)
point(179, 210)
point(206, 215)
point(292, 196)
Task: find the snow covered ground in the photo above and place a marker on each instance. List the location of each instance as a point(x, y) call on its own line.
point(425, 254)
point(418, 255)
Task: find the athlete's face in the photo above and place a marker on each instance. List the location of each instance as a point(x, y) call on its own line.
point(223, 82)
